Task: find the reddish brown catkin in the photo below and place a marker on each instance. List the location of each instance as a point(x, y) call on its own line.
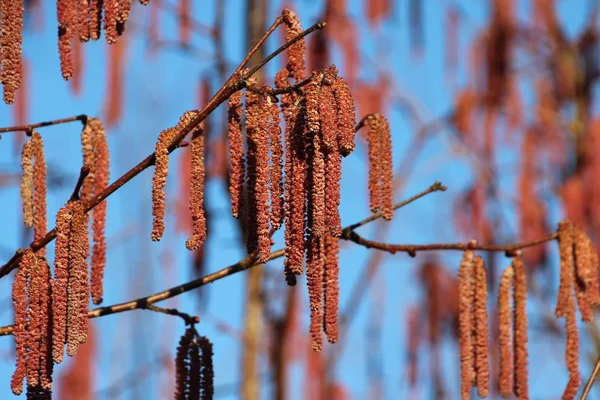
point(78, 288)
point(110, 21)
point(40, 220)
point(95, 18)
point(159, 181)
point(19, 298)
point(261, 191)
point(66, 11)
point(11, 48)
point(34, 328)
point(236, 153)
point(387, 169)
point(565, 249)
point(297, 51)
point(505, 386)
point(45, 363)
point(83, 20)
point(346, 115)
point(521, 352)
point(375, 157)
point(88, 144)
point(482, 366)
point(101, 180)
point(584, 273)
point(314, 279)
point(465, 298)
point(276, 171)
point(253, 117)
point(61, 281)
point(197, 189)
point(27, 184)
point(123, 11)
point(317, 167)
point(331, 288)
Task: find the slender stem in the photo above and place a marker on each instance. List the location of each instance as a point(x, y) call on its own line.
point(231, 86)
point(266, 91)
point(83, 173)
point(591, 380)
point(188, 319)
point(20, 128)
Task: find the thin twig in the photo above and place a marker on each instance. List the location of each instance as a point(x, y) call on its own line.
point(266, 91)
point(83, 173)
point(591, 380)
point(231, 86)
point(27, 128)
point(187, 318)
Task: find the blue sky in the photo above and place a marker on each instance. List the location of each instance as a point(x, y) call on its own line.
point(157, 91)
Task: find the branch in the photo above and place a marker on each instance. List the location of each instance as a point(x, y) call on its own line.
point(591, 380)
point(267, 91)
point(232, 85)
point(188, 319)
point(26, 128)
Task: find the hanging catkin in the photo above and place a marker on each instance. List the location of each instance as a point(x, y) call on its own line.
point(331, 288)
point(521, 353)
point(276, 171)
point(465, 298)
point(565, 248)
point(482, 366)
point(159, 181)
point(110, 20)
point(40, 224)
point(61, 281)
point(83, 20)
point(196, 205)
point(297, 51)
point(316, 185)
point(505, 381)
point(95, 18)
point(19, 299)
point(27, 184)
point(236, 153)
point(346, 115)
point(11, 58)
point(584, 273)
point(194, 377)
point(381, 172)
point(66, 11)
point(314, 279)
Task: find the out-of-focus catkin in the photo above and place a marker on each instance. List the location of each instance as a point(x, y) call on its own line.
point(66, 11)
point(505, 381)
point(520, 340)
point(465, 320)
point(482, 366)
point(197, 189)
point(11, 24)
point(565, 248)
point(236, 153)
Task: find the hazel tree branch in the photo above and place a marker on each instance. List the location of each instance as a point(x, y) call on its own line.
point(188, 319)
point(235, 82)
point(591, 380)
point(30, 127)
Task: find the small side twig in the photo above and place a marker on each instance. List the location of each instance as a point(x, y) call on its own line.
point(83, 173)
point(591, 380)
point(266, 91)
point(30, 127)
point(188, 319)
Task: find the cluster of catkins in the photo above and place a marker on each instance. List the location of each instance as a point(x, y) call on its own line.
point(77, 20)
point(194, 375)
point(579, 287)
point(51, 312)
point(319, 130)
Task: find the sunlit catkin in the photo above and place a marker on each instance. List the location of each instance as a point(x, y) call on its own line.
point(482, 366)
point(521, 352)
point(316, 187)
point(11, 24)
point(331, 287)
point(66, 11)
point(159, 181)
point(314, 279)
point(505, 381)
point(95, 18)
point(276, 170)
point(61, 281)
point(34, 327)
point(27, 184)
point(465, 298)
point(196, 204)
point(236, 153)
point(110, 20)
point(346, 115)
point(45, 362)
point(297, 51)
point(83, 20)
point(40, 221)
point(19, 299)
point(123, 11)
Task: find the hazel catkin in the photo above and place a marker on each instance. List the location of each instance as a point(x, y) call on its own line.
point(236, 153)
point(197, 189)
point(465, 298)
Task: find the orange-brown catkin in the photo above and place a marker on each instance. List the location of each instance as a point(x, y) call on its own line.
point(331, 287)
point(159, 181)
point(465, 298)
point(520, 341)
point(27, 184)
point(276, 171)
point(110, 20)
point(314, 279)
point(584, 273)
point(45, 362)
point(565, 249)
point(184, 25)
point(257, 179)
point(66, 11)
point(95, 18)
point(482, 366)
point(78, 287)
point(346, 115)
point(387, 169)
point(101, 179)
point(297, 51)
point(375, 156)
point(19, 298)
point(83, 20)
point(123, 11)
point(61, 281)
point(316, 187)
point(236, 153)
point(505, 386)
point(11, 24)
point(34, 327)
point(40, 221)
point(197, 189)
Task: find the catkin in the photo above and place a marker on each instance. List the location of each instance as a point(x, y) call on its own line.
point(346, 115)
point(11, 54)
point(586, 273)
point(236, 153)
point(61, 281)
point(194, 376)
point(316, 187)
point(20, 332)
point(505, 380)
point(521, 375)
point(297, 51)
point(482, 366)
point(34, 327)
point(66, 11)
point(465, 298)
point(207, 372)
point(381, 172)
point(159, 181)
point(83, 20)
point(387, 169)
point(27, 184)
point(314, 279)
point(331, 288)
point(123, 11)
point(276, 171)
point(40, 224)
point(374, 145)
point(45, 362)
point(95, 18)
point(110, 20)
point(182, 365)
point(196, 205)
